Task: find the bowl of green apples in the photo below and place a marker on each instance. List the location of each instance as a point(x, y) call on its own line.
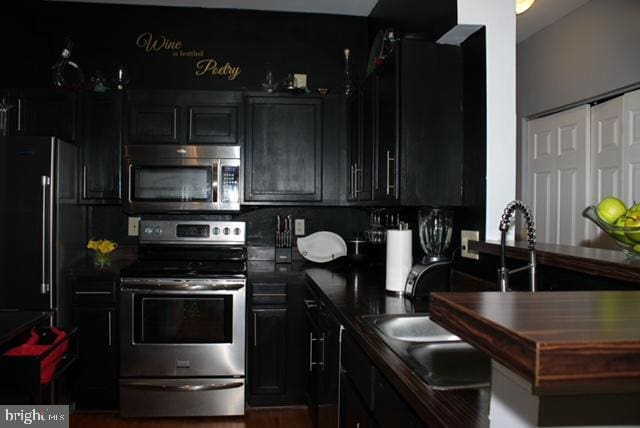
point(619, 222)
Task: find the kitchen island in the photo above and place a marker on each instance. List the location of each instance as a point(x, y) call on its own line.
point(560, 359)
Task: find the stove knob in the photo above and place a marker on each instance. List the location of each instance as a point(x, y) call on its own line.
point(216, 231)
point(226, 231)
point(236, 231)
point(157, 230)
point(148, 230)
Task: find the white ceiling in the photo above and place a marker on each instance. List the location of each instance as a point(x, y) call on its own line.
point(542, 14)
point(338, 7)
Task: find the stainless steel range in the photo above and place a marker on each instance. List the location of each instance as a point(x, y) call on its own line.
point(182, 347)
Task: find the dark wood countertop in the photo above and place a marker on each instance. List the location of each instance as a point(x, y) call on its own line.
point(14, 323)
point(593, 261)
point(352, 294)
point(560, 342)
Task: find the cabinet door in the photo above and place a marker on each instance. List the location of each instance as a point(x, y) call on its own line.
point(45, 113)
point(155, 117)
point(97, 369)
point(387, 139)
point(213, 125)
point(101, 148)
point(355, 142)
point(354, 411)
point(283, 149)
point(269, 352)
point(364, 166)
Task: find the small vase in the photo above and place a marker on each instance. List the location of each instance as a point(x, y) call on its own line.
point(101, 260)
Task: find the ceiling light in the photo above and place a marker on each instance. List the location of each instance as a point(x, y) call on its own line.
point(523, 5)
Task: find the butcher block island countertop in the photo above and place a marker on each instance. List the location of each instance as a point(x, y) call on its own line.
point(559, 342)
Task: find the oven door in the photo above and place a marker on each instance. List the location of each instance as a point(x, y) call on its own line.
point(182, 328)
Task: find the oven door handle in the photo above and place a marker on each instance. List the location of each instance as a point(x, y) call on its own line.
point(155, 286)
point(184, 388)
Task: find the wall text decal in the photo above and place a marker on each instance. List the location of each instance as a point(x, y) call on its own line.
point(204, 67)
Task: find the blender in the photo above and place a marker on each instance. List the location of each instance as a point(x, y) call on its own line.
point(433, 272)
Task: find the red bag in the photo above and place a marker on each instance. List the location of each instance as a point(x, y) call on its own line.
point(50, 363)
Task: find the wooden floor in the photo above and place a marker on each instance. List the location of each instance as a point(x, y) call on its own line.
point(262, 418)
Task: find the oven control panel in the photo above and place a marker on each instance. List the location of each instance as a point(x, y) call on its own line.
point(192, 232)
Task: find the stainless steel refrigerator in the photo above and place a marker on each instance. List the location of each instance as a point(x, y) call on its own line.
point(42, 226)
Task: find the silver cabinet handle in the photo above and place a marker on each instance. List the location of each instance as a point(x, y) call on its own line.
point(19, 114)
point(310, 304)
point(255, 330)
point(84, 182)
point(183, 388)
point(190, 124)
point(389, 160)
point(356, 175)
point(311, 362)
point(175, 124)
point(352, 182)
point(44, 182)
point(109, 321)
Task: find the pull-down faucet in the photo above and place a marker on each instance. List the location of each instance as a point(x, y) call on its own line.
point(503, 272)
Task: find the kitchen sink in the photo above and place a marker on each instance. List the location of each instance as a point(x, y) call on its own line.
point(437, 356)
point(412, 328)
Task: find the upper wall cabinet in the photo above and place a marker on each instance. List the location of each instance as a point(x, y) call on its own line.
point(283, 149)
point(408, 145)
point(101, 148)
point(185, 117)
point(43, 113)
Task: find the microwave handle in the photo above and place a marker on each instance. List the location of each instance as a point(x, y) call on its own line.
point(216, 185)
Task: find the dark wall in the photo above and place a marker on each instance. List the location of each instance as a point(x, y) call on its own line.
point(106, 36)
point(432, 18)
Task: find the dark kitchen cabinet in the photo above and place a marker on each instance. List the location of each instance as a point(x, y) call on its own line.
point(283, 149)
point(411, 122)
point(367, 397)
point(185, 117)
point(354, 412)
point(101, 148)
point(361, 118)
point(43, 113)
point(268, 371)
point(95, 316)
point(323, 349)
point(275, 343)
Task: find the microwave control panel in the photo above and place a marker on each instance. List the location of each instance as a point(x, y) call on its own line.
point(230, 185)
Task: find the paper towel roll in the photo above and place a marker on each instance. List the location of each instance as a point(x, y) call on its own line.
point(399, 259)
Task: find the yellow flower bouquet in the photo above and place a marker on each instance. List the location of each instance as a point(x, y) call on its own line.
point(102, 251)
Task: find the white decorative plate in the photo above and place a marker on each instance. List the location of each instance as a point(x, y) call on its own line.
point(322, 247)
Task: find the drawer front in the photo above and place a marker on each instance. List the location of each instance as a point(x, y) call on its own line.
point(91, 291)
point(358, 368)
point(269, 293)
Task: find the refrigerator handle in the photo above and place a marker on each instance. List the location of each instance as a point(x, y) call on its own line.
point(44, 285)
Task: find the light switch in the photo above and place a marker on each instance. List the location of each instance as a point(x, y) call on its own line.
point(299, 226)
point(134, 226)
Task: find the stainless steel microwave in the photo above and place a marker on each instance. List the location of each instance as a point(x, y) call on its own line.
point(162, 178)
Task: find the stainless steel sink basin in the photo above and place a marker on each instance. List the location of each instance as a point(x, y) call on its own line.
point(454, 364)
point(436, 355)
point(413, 328)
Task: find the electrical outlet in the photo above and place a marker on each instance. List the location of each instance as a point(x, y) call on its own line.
point(134, 226)
point(465, 237)
point(299, 226)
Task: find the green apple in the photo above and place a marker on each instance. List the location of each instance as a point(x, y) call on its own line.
point(636, 248)
point(619, 234)
point(635, 207)
point(610, 209)
point(633, 220)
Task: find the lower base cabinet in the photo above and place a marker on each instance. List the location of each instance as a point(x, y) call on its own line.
point(275, 338)
point(367, 398)
point(95, 316)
